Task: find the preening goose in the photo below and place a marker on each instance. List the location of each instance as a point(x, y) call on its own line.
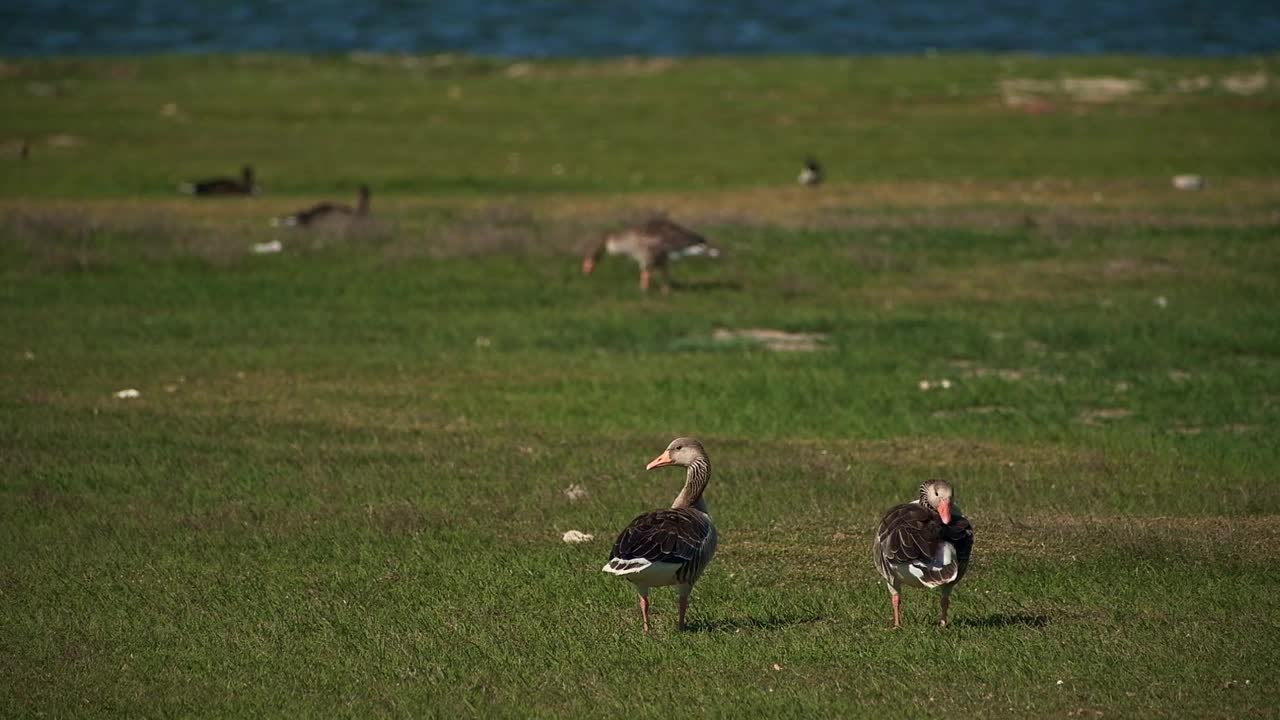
point(223, 186)
point(326, 211)
point(670, 547)
point(811, 173)
point(652, 245)
point(925, 543)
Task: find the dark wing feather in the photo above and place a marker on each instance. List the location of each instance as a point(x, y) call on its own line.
point(959, 532)
point(673, 236)
point(671, 536)
point(320, 211)
point(909, 533)
point(217, 186)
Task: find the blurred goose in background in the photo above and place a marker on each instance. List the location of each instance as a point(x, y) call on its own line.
point(326, 211)
point(652, 245)
point(925, 543)
point(811, 173)
point(223, 186)
point(670, 547)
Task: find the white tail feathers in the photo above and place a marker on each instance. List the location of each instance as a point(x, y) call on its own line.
point(618, 566)
point(943, 569)
point(699, 249)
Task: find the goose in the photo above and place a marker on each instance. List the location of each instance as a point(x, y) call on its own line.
point(223, 185)
point(670, 547)
point(326, 210)
point(651, 244)
point(811, 173)
point(925, 543)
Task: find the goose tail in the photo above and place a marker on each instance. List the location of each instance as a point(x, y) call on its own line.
point(619, 566)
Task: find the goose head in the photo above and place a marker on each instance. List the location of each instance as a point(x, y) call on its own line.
point(682, 451)
point(936, 494)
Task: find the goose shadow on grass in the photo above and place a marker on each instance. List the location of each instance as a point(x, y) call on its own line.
point(750, 623)
point(1000, 620)
point(704, 285)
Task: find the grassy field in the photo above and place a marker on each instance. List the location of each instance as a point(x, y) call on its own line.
point(343, 486)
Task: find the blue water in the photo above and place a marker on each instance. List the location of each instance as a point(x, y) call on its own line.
point(577, 28)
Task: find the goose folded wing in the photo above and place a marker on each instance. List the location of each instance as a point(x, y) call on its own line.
point(959, 532)
point(910, 534)
point(673, 236)
point(664, 536)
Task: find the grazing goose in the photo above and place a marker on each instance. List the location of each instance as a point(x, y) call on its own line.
point(670, 547)
point(325, 211)
point(223, 186)
point(651, 244)
point(811, 173)
point(925, 543)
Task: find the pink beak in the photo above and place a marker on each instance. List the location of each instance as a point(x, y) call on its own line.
point(588, 264)
point(944, 511)
point(663, 459)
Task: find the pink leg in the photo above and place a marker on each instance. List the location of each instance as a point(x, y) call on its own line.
point(644, 279)
point(684, 607)
point(946, 604)
point(644, 611)
point(897, 611)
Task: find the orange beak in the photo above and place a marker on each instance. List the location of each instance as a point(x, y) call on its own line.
point(588, 264)
point(944, 511)
point(663, 459)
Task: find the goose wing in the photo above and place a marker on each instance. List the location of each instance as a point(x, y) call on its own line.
point(320, 211)
point(671, 236)
point(674, 536)
point(909, 533)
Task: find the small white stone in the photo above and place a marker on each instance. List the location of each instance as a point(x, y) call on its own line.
point(128, 394)
point(268, 248)
point(575, 492)
point(1161, 302)
point(574, 537)
point(1188, 182)
point(946, 384)
point(923, 384)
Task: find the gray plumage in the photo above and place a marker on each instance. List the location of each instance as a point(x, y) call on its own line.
point(670, 546)
point(926, 543)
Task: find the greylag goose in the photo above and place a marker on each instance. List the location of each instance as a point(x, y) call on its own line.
point(925, 543)
point(325, 211)
point(223, 186)
point(652, 245)
point(670, 547)
point(811, 173)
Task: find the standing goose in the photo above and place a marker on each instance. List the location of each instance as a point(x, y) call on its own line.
point(670, 547)
point(652, 245)
point(223, 186)
point(925, 543)
point(326, 210)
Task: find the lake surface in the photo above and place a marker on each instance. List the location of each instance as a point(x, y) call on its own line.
point(582, 28)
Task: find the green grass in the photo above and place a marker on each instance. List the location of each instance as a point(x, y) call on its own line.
point(341, 491)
